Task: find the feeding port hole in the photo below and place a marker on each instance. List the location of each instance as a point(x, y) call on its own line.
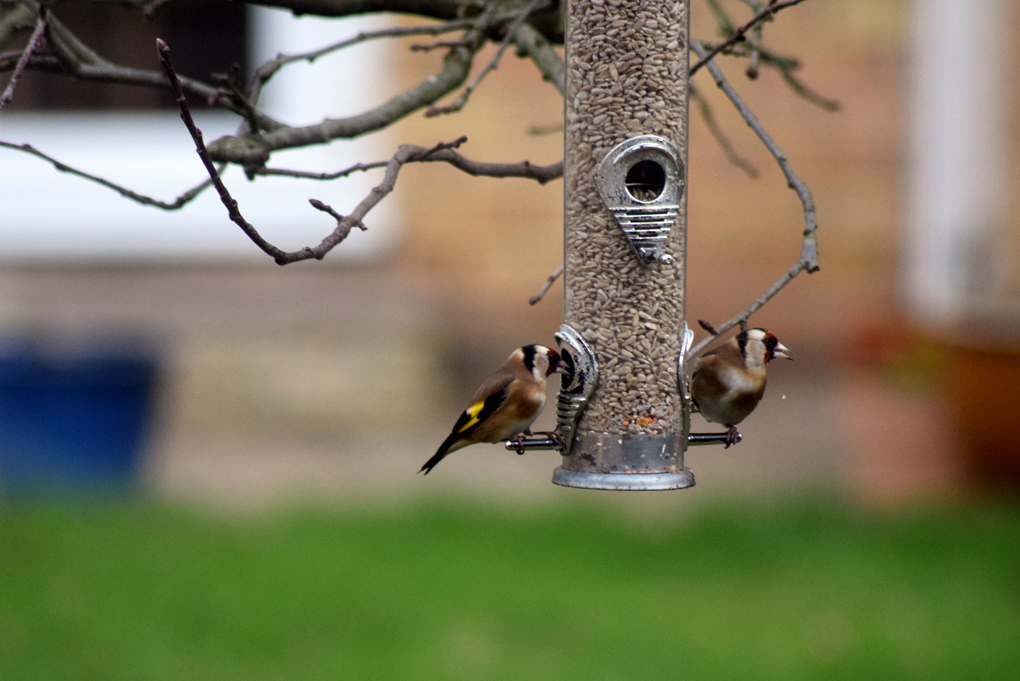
point(645, 181)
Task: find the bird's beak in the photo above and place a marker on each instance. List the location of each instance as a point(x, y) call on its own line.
point(782, 351)
point(561, 365)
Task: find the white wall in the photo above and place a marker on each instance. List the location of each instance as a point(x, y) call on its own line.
point(958, 78)
point(51, 215)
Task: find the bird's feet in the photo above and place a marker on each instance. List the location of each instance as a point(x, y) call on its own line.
point(528, 440)
point(732, 436)
point(519, 442)
point(555, 437)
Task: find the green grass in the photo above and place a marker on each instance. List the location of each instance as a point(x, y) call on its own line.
point(462, 591)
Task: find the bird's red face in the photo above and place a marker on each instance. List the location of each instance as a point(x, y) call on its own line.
point(773, 348)
point(557, 365)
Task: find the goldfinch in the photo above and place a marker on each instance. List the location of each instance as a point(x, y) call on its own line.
point(507, 404)
point(727, 383)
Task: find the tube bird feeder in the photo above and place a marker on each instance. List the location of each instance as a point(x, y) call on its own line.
point(625, 222)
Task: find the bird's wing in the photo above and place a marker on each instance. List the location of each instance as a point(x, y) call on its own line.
point(705, 382)
point(729, 351)
point(483, 407)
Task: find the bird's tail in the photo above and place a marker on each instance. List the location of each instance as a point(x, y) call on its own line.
point(444, 449)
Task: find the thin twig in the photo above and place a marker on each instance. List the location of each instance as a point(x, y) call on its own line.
point(269, 69)
point(740, 32)
point(539, 130)
point(786, 66)
point(72, 57)
point(442, 44)
point(308, 175)
point(14, 20)
point(440, 154)
point(707, 326)
point(807, 93)
point(717, 133)
point(459, 103)
point(233, 87)
point(534, 45)
point(178, 203)
point(26, 55)
point(754, 40)
point(253, 151)
point(808, 260)
point(546, 286)
point(319, 205)
point(405, 154)
point(722, 19)
point(525, 169)
point(196, 135)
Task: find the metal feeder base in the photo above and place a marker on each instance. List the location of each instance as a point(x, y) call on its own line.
point(625, 462)
point(633, 482)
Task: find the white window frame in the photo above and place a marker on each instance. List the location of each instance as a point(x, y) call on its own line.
point(46, 214)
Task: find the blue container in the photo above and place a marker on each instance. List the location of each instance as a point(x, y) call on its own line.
point(73, 420)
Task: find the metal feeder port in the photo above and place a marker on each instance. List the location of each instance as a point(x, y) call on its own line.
point(641, 182)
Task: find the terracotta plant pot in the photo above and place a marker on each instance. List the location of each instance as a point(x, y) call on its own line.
point(984, 375)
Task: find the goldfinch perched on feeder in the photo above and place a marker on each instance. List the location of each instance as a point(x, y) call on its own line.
point(507, 404)
point(727, 383)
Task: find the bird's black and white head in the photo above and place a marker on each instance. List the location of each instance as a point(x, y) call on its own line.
point(759, 347)
point(541, 361)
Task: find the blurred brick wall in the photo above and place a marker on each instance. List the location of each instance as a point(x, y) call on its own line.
point(261, 354)
point(488, 244)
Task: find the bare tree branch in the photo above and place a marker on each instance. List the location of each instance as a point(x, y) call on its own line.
point(405, 154)
point(33, 42)
point(524, 169)
point(12, 20)
point(459, 103)
point(176, 204)
point(549, 23)
point(808, 260)
point(739, 34)
point(442, 44)
point(722, 19)
point(437, 9)
point(719, 135)
point(803, 90)
point(319, 205)
point(539, 130)
point(546, 286)
point(754, 39)
point(253, 151)
point(196, 135)
point(786, 66)
point(269, 69)
point(308, 175)
point(535, 45)
point(446, 154)
point(72, 57)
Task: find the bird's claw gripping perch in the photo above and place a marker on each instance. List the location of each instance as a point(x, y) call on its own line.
point(544, 440)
